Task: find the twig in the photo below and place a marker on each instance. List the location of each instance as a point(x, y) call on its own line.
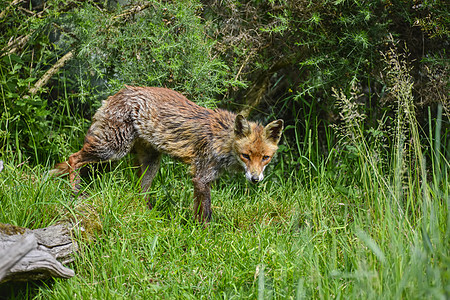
point(133, 10)
point(13, 3)
point(243, 65)
point(55, 68)
point(15, 44)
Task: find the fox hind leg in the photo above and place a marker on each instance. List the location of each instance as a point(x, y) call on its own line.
point(100, 146)
point(149, 159)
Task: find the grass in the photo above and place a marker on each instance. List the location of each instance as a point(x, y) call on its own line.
point(363, 222)
point(285, 239)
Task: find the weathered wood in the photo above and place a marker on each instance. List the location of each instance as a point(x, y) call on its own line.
point(13, 254)
point(35, 254)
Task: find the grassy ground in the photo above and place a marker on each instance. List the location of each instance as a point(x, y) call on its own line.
point(295, 236)
point(360, 220)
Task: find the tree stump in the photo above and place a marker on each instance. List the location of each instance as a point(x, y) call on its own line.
point(35, 254)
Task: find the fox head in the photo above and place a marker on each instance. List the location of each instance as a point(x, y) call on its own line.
point(255, 145)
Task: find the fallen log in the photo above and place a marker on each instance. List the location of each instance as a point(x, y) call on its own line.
point(35, 254)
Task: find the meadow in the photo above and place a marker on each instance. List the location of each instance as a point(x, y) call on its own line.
point(355, 205)
point(365, 227)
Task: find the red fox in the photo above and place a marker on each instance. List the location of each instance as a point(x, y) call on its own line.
point(150, 121)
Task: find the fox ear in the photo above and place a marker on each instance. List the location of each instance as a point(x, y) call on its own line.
point(272, 131)
point(241, 126)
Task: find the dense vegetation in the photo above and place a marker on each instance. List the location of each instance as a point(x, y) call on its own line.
point(356, 203)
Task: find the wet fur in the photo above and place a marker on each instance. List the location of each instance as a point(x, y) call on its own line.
point(152, 121)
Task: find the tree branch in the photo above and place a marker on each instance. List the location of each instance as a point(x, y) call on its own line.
point(52, 71)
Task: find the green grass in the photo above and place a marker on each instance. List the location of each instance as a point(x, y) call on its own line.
point(358, 222)
point(284, 239)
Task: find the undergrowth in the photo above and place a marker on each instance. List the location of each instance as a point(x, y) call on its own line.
point(365, 222)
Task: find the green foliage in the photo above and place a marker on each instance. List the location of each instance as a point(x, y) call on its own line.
point(27, 118)
point(343, 39)
point(25, 122)
point(285, 238)
point(359, 210)
point(161, 45)
point(329, 44)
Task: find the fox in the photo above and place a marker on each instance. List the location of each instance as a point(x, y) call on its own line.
point(152, 121)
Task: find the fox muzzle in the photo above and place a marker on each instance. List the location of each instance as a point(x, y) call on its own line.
point(254, 178)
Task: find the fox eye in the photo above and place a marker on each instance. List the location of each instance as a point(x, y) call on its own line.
point(245, 156)
point(265, 157)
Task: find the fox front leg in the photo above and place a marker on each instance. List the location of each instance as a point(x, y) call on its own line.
point(202, 200)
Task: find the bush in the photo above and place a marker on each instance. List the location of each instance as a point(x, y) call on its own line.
point(293, 53)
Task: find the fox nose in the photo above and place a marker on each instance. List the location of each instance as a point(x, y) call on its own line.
point(255, 179)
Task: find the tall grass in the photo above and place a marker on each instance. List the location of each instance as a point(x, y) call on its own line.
point(405, 227)
point(366, 223)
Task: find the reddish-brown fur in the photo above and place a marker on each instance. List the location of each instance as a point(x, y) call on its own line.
point(151, 121)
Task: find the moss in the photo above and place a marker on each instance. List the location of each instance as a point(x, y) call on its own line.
point(9, 229)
